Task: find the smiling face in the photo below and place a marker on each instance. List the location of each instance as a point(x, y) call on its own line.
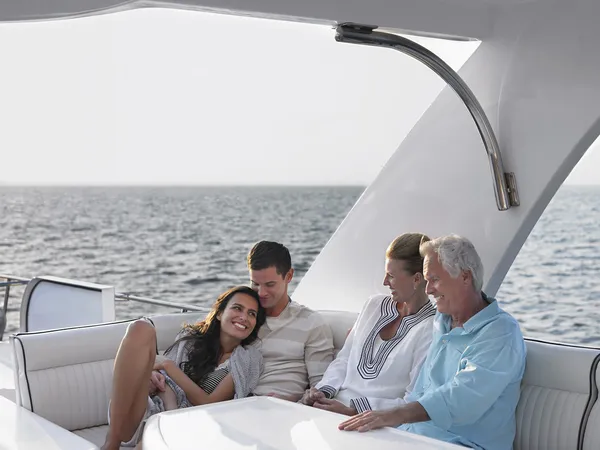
point(401, 283)
point(238, 319)
point(449, 292)
point(272, 288)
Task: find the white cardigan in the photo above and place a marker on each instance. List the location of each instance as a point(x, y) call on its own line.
point(368, 376)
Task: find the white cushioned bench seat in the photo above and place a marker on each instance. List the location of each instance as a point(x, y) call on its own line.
point(65, 376)
point(557, 395)
point(559, 392)
point(168, 325)
point(96, 435)
point(340, 323)
point(591, 440)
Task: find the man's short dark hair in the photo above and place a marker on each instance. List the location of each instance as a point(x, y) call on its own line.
point(267, 254)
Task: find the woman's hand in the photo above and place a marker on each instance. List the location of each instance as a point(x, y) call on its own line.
point(157, 382)
point(334, 406)
point(162, 363)
point(311, 396)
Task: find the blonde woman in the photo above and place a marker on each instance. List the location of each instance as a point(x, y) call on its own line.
point(383, 353)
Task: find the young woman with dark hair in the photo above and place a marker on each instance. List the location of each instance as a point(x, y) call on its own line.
point(210, 361)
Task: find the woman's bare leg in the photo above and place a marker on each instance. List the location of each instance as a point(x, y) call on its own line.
point(129, 397)
point(169, 398)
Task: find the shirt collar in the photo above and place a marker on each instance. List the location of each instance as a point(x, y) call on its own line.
point(474, 323)
point(287, 312)
point(483, 316)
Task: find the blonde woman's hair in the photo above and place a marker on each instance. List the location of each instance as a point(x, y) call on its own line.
point(406, 248)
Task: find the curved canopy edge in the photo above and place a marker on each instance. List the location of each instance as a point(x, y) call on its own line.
point(448, 18)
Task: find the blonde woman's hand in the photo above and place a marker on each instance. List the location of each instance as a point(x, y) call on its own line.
point(311, 396)
point(335, 406)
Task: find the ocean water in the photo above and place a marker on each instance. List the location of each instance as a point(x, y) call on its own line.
point(188, 244)
point(553, 287)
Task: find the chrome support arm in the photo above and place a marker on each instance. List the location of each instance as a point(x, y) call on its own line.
point(505, 187)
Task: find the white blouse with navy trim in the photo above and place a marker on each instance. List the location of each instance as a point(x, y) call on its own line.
point(371, 376)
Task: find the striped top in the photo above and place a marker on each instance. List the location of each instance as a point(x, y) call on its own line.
point(208, 384)
point(245, 366)
point(212, 379)
point(297, 347)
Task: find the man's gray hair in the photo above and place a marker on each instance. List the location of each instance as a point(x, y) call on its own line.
point(456, 254)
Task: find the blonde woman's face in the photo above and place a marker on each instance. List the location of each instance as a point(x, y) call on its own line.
point(398, 280)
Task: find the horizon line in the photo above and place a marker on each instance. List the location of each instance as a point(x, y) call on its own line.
point(2, 184)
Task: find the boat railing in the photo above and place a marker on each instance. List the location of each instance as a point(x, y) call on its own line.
point(7, 281)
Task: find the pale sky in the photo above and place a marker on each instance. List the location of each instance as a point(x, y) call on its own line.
point(179, 97)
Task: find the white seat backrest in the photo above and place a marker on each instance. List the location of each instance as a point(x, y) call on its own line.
point(340, 323)
point(168, 325)
point(72, 367)
point(52, 302)
point(556, 396)
point(591, 440)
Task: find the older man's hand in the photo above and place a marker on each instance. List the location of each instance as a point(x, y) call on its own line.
point(371, 420)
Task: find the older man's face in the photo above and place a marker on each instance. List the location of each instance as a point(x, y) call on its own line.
point(441, 285)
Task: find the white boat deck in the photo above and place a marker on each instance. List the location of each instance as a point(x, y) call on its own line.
point(21, 429)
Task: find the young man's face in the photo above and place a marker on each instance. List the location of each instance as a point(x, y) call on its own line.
point(271, 287)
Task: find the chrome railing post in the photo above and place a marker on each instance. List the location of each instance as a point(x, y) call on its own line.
point(505, 187)
point(4, 310)
point(124, 296)
point(10, 281)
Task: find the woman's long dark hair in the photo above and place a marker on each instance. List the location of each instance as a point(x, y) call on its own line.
point(205, 336)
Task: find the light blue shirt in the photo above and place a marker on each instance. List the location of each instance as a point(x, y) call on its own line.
point(470, 382)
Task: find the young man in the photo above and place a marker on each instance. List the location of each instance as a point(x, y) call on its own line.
point(297, 344)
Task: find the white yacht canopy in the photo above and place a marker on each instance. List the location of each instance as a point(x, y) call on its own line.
point(535, 74)
point(470, 18)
